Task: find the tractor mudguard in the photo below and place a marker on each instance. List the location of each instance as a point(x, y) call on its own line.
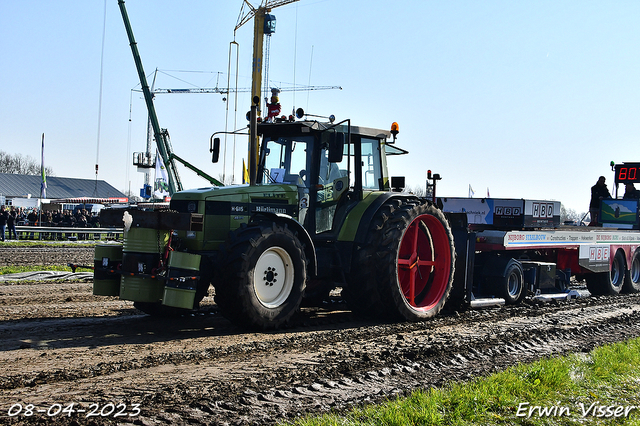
point(303, 235)
point(373, 207)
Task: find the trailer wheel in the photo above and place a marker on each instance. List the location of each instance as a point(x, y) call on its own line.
point(264, 278)
point(632, 277)
point(608, 283)
point(406, 267)
point(511, 286)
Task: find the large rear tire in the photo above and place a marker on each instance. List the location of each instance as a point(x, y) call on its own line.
point(632, 278)
point(608, 283)
point(264, 278)
point(405, 268)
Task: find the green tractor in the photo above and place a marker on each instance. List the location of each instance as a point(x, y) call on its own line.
point(319, 214)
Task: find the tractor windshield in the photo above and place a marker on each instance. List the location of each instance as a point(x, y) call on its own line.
point(286, 160)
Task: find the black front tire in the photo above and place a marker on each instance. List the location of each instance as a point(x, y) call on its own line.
point(264, 277)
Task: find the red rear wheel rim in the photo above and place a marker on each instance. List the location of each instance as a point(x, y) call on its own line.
point(424, 262)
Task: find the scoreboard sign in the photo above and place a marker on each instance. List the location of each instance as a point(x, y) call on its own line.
point(627, 173)
point(505, 213)
point(541, 214)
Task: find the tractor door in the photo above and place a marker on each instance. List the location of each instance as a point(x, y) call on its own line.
point(333, 183)
point(286, 161)
point(340, 185)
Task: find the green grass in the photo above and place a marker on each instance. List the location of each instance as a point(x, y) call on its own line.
point(49, 244)
point(608, 376)
point(17, 269)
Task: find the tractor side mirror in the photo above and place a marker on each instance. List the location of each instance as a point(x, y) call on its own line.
point(336, 147)
point(215, 156)
point(397, 183)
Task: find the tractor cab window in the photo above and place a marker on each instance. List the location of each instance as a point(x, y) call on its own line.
point(286, 161)
point(371, 164)
point(333, 182)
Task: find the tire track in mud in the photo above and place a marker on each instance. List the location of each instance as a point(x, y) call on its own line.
point(203, 370)
point(44, 255)
point(411, 364)
point(60, 344)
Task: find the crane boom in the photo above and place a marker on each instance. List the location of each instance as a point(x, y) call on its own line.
point(258, 14)
point(161, 135)
point(172, 172)
point(268, 5)
point(226, 91)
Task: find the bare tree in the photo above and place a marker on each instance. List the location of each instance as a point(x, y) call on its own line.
point(416, 190)
point(570, 215)
point(21, 165)
point(133, 197)
point(226, 180)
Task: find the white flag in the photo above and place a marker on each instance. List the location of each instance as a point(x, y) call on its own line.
point(43, 185)
point(161, 185)
point(471, 192)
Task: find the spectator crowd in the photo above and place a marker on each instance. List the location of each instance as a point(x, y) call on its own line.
point(11, 216)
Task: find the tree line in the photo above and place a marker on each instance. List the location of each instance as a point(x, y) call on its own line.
point(21, 165)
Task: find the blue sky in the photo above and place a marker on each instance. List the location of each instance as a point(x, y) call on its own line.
point(530, 99)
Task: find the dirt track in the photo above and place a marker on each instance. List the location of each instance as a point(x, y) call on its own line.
point(59, 345)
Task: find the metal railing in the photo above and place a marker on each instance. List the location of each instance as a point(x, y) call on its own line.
point(65, 233)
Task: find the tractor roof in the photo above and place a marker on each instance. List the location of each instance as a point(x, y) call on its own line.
point(297, 127)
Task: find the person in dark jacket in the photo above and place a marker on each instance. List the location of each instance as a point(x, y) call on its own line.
point(32, 217)
point(630, 192)
point(599, 191)
point(11, 222)
point(3, 221)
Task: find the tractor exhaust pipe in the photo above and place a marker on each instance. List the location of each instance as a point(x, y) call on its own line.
point(253, 141)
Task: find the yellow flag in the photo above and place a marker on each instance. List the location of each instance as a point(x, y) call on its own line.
point(245, 173)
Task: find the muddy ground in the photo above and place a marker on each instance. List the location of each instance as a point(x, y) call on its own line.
point(68, 357)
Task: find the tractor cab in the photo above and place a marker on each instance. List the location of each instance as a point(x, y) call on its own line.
point(334, 166)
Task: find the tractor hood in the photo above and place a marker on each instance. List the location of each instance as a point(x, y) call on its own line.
point(227, 208)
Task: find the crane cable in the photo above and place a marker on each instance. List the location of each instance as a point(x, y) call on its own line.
point(127, 179)
point(295, 55)
point(232, 45)
point(104, 31)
